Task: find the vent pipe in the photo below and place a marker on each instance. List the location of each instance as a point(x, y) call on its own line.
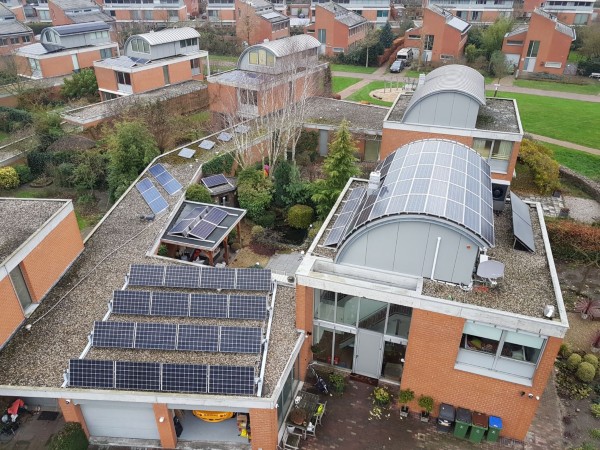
point(374, 181)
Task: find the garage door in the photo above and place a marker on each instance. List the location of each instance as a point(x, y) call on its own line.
point(105, 419)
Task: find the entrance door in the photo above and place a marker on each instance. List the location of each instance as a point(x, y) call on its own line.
point(367, 355)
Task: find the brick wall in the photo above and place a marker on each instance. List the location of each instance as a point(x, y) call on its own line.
point(12, 313)
point(263, 423)
point(304, 321)
point(72, 413)
point(49, 260)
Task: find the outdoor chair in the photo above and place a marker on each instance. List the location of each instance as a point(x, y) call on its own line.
point(319, 415)
point(311, 430)
point(290, 441)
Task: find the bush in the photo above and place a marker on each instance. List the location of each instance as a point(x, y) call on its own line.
point(426, 403)
point(11, 117)
point(9, 179)
point(586, 372)
point(64, 174)
point(82, 84)
point(37, 162)
point(255, 194)
point(381, 396)
point(256, 231)
point(565, 350)
point(573, 362)
point(198, 193)
point(312, 232)
point(543, 167)
point(219, 164)
point(24, 173)
point(573, 241)
point(300, 216)
point(592, 359)
point(266, 220)
point(307, 146)
point(595, 409)
point(338, 382)
point(162, 250)
point(71, 437)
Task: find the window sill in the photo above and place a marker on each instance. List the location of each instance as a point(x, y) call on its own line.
point(493, 374)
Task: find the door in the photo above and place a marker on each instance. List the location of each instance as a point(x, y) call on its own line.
point(120, 420)
point(367, 355)
point(75, 63)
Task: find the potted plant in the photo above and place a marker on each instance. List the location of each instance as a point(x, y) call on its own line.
point(298, 416)
point(426, 403)
point(587, 307)
point(405, 396)
point(381, 396)
point(337, 381)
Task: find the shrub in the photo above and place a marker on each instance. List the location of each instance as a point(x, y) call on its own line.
point(71, 437)
point(266, 220)
point(592, 359)
point(219, 164)
point(9, 179)
point(37, 162)
point(64, 174)
point(300, 216)
point(254, 193)
point(426, 403)
point(573, 362)
point(586, 372)
point(82, 84)
point(543, 168)
point(406, 396)
point(235, 247)
point(256, 231)
point(381, 396)
point(595, 409)
point(312, 232)
point(198, 193)
point(24, 173)
point(573, 241)
point(595, 433)
point(565, 350)
point(337, 381)
point(163, 250)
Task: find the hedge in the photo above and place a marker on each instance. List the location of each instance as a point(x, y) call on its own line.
point(573, 241)
point(9, 179)
point(219, 164)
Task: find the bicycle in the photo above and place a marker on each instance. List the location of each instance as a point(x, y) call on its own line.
point(320, 384)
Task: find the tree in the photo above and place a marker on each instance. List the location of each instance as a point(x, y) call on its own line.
point(198, 193)
point(82, 84)
point(386, 36)
point(499, 66)
point(339, 166)
point(47, 129)
point(131, 148)
point(254, 192)
point(89, 172)
point(288, 189)
point(590, 40)
point(492, 36)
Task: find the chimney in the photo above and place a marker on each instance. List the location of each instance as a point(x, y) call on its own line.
point(374, 181)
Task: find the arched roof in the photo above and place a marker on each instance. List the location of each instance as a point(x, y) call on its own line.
point(167, 35)
point(450, 78)
point(432, 178)
point(285, 46)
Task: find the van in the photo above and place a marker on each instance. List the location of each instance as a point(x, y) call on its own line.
point(406, 55)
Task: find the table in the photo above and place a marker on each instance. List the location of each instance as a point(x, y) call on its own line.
point(307, 402)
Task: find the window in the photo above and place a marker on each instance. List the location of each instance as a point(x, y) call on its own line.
point(135, 15)
point(50, 37)
point(44, 15)
point(99, 35)
point(147, 14)
point(581, 19)
point(35, 65)
point(444, 57)
point(322, 35)
point(105, 53)
point(248, 97)
point(428, 42)
point(188, 43)
point(173, 15)
point(532, 50)
point(18, 281)
point(382, 13)
point(338, 50)
point(14, 40)
point(475, 16)
point(3, 42)
point(372, 150)
point(414, 36)
point(497, 153)
point(123, 78)
point(512, 42)
point(26, 38)
point(112, 13)
point(140, 46)
point(261, 57)
point(553, 65)
point(195, 66)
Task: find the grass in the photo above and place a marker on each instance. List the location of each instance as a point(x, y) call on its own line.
point(223, 58)
point(349, 68)
point(583, 163)
point(3, 135)
point(589, 89)
point(415, 74)
point(567, 120)
point(341, 83)
point(575, 56)
point(363, 94)
point(202, 116)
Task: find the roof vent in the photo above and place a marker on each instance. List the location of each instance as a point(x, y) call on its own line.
point(374, 181)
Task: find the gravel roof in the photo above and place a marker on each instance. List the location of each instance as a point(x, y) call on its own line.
point(20, 219)
point(328, 111)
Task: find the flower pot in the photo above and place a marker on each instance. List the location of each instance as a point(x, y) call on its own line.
point(404, 411)
point(424, 416)
point(584, 316)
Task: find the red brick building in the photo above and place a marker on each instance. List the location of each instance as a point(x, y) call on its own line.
point(257, 21)
point(65, 12)
point(13, 33)
point(542, 45)
point(162, 12)
point(570, 12)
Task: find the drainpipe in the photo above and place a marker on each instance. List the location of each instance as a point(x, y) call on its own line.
point(435, 257)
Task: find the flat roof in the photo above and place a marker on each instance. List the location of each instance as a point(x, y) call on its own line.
point(20, 219)
point(328, 111)
point(128, 62)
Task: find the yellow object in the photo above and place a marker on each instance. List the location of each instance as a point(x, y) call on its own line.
point(212, 416)
point(244, 433)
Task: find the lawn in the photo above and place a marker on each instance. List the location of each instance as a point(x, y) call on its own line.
point(589, 89)
point(341, 83)
point(222, 58)
point(583, 163)
point(363, 94)
point(3, 135)
point(567, 120)
point(349, 68)
point(415, 74)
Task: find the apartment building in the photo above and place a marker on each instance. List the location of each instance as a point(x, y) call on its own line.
point(478, 11)
point(151, 61)
point(153, 11)
point(338, 29)
point(542, 45)
point(65, 12)
point(65, 49)
point(258, 21)
point(570, 12)
point(13, 33)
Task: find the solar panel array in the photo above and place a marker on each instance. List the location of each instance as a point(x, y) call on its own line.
point(522, 227)
point(176, 304)
point(208, 224)
point(224, 136)
point(144, 376)
point(188, 221)
point(206, 144)
point(166, 180)
point(348, 210)
point(208, 277)
point(164, 336)
point(187, 153)
point(214, 181)
point(150, 194)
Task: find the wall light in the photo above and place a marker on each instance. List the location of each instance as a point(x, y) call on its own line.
point(161, 420)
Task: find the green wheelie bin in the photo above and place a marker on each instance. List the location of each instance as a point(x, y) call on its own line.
point(495, 425)
point(462, 422)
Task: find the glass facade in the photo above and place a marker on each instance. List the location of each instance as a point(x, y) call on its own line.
point(284, 401)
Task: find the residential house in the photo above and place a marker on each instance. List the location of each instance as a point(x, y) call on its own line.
point(152, 60)
point(65, 49)
point(542, 45)
point(221, 12)
point(377, 12)
point(338, 29)
point(257, 21)
point(39, 240)
point(159, 11)
point(267, 76)
point(65, 12)
point(441, 38)
point(580, 12)
point(478, 11)
point(13, 33)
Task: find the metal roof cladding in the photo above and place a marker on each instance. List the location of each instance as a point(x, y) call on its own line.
point(343, 15)
point(286, 46)
point(78, 28)
point(168, 35)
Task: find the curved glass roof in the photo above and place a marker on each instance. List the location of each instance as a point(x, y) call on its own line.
point(437, 178)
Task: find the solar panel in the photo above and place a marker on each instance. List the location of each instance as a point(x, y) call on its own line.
point(182, 277)
point(113, 334)
point(247, 307)
point(216, 216)
point(150, 194)
point(242, 129)
point(224, 136)
point(187, 220)
point(199, 338)
point(165, 179)
point(347, 211)
point(208, 305)
point(137, 376)
point(187, 153)
point(156, 336)
point(174, 304)
point(184, 378)
point(131, 302)
point(157, 169)
point(212, 278)
point(146, 275)
point(231, 380)
point(202, 230)
point(90, 373)
point(206, 144)
point(214, 180)
point(253, 279)
point(522, 227)
point(241, 339)
point(143, 185)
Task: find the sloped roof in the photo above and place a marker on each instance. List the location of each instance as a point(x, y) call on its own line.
point(5, 12)
point(559, 26)
point(9, 27)
point(450, 18)
point(91, 17)
point(168, 35)
point(519, 29)
point(343, 15)
point(79, 28)
point(450, 78)
point(74, 4)
point(287, 46)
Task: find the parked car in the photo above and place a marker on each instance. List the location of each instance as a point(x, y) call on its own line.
point(397, 66)
point(405, 55)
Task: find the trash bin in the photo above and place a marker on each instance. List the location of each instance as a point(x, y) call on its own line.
point(494, 430)
point(478, 427)
point(446, 417)
point(463, 422)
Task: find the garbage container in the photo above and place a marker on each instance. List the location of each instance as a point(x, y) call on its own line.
point(446, 417)
point(479, 427)
point(493, 433)
point(463, 422)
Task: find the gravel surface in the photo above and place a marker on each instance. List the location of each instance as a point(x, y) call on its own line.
point(327, 111)
point(22, 218)
point(583, 209)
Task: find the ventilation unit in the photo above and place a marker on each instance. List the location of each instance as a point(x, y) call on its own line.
point(499, 193)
